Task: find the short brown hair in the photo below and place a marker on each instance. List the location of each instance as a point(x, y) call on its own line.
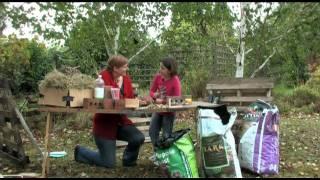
point(171, 65)
point(116, 61)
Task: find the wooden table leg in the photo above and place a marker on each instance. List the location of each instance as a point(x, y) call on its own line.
point(45, 163)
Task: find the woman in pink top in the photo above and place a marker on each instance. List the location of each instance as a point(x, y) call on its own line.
point(164, 84)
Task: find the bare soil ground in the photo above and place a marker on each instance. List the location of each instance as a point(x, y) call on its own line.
point(299, 151)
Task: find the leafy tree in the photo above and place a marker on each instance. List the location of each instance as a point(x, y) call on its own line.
point(290, 39)
point(23, 62)
point(197, 26)
point(199, 23)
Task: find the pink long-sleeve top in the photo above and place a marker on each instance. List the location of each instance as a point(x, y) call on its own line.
point(172, 86)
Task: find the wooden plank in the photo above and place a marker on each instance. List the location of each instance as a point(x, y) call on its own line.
point(223, 86)
point(143, 128)
point(269, 93)
point(240, 80)
point(194, 105)
point(124, 143)
point(239, 95)
point(45, 163)
point(139, 120)
point(245, 99)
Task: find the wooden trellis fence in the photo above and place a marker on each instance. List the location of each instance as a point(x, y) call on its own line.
point(10, 140)
point(218, 57)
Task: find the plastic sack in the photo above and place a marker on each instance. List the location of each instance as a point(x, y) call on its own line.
point(176, 155)
point(217, 144)
point(255, 110)
point(259, 145)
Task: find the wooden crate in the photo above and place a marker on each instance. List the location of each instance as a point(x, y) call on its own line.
point(131, 103)
point(64, 97)
point(241, 92)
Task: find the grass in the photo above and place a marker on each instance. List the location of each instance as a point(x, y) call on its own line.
point(281, 90)
point(299, 150)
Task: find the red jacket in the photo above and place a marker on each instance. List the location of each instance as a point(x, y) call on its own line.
point(172, 87)
point(106, 125)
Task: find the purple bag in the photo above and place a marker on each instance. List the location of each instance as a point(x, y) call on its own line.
point(259, 145)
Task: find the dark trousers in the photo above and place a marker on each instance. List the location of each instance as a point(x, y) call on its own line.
point(106, 154)
point(158, 122)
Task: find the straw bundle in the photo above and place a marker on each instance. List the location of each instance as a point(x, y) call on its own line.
point(59, 80)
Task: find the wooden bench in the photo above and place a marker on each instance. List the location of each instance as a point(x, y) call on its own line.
point(241, 92)
point(142, 123)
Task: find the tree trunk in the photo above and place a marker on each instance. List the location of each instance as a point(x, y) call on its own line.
point(241, 50)
point(116, 41)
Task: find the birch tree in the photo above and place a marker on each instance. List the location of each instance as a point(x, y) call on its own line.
point(241, 50)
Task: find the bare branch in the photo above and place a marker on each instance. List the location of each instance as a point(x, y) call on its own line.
point(143, 48)
point(104, 38)
point(279, 37)
point(106, 45)
point(116, 40)
point(30, 135)
point(263, 64)
point(248, 51)
point(275, 38)
point(105, 26)
point(224, 37)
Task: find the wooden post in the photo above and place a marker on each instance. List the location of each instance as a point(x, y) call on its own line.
point(239, 95)
point(269, 92)
point(45, 163)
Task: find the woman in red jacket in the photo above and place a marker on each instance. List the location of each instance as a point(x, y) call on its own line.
point(107, 128)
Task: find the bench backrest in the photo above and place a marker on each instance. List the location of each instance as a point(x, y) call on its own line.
point(240, 92)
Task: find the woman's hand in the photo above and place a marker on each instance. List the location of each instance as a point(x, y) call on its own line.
point(157, 94)
point(146, 100)
point(160, 101)
point(143, 103)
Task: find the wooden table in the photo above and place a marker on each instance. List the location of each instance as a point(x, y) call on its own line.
point(50, 110)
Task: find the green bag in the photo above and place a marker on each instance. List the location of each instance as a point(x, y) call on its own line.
point(176, 155)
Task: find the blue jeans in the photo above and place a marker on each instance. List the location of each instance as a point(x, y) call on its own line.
point(106, 154)
point(159, 121)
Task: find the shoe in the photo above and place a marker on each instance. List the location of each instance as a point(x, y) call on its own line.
point(156, 163)
point(129, 164)
point(154, 160)
point(76, 149)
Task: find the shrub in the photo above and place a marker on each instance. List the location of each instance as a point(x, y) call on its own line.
point(303, 95)
point(194, 82)
point(314, 81)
